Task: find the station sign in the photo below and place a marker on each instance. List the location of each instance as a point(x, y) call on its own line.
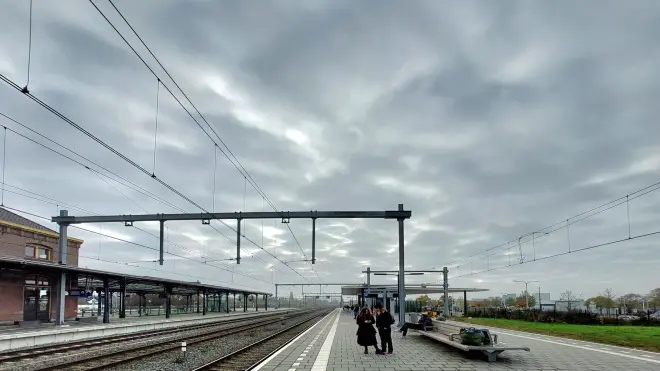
point(80, 293)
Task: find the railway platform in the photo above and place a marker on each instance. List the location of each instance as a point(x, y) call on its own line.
point(13, 338)
point(331, 345)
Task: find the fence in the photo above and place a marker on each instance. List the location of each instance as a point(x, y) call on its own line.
point(577, 317)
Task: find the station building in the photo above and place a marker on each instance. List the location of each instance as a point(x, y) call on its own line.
point(27, 295)
point(30, 273)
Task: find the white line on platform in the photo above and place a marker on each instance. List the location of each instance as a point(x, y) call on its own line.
point(265, 362)
point(321, 362)
point(571, 341)
point(582, 347)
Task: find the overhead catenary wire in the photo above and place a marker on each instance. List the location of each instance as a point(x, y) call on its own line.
point(146, 193)
point(4, 164)
point(153, 172)
point(58, 203)
point(639, 193)
point(29, 61)
point(564, 223)
point(133, 163)
point(127, 183)
point(227, 269)
point(573, 251)
point(227, 152)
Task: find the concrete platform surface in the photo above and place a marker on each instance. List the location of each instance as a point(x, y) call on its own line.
point(19, 338)
point(331, 345)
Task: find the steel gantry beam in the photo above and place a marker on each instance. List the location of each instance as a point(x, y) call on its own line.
point(128, 220)
point(318, 284)
point(63, 220)
point(369, 272)
point(238, 215)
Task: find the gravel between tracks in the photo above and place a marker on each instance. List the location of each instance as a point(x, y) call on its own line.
point(55, 359)
point(198, 355)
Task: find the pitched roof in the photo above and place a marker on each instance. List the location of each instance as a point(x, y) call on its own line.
point(10, 217)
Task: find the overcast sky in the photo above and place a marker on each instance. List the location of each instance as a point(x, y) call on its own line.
point(488, 120)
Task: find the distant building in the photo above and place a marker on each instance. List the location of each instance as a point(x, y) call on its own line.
point(506, 297)
point(544, 296)
point(28, 296)
point(565, 306)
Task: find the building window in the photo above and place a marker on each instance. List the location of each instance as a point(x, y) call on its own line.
point(38, 252)
point(36, 280)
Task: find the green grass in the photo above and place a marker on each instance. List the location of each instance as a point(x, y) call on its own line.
point(640, 337)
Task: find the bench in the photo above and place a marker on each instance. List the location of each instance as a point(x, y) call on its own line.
point(447, 332)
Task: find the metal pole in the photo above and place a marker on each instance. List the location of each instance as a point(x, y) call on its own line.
point(238, 241)
point(402, 287)
point(368, 300)
point(162, 242)
point(63, 241)
point(204, 302)
point(313, 240)
point(276, 297)
point(465, 304)
point(445, 287)
point(106, 301)
point(526, 297)
point(63, 260)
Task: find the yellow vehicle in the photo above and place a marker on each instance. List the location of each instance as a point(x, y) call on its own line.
point(432, 312)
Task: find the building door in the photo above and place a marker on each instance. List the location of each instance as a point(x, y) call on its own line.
point(30, 304)
point(37, 299)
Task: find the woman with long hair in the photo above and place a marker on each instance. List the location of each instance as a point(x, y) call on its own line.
point(366, 333)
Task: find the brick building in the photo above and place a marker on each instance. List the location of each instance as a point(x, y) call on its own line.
point(30, 294)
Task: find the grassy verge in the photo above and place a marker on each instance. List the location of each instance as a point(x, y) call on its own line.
point(640, 337)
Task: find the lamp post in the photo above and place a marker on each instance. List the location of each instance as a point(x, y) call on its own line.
point(526, 293)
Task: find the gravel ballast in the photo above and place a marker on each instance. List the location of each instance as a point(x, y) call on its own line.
point(56, 359)
point(206, 352)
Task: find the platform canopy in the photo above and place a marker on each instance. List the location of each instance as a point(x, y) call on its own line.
point(92, 278)
point(410, 289)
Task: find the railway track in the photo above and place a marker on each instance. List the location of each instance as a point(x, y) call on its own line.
point(61, 349)
point(250, 356)
point(111, 358)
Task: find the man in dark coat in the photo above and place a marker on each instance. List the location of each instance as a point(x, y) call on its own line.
point(424, 322)
point(384, 321)
point(366, 333)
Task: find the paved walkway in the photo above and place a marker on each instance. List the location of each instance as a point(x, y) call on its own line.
point(331, 345)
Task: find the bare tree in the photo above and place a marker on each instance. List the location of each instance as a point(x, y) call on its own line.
point(630, 301)
point(609, 296)
point(568, 297)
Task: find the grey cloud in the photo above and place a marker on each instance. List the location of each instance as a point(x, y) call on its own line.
point(487, 120)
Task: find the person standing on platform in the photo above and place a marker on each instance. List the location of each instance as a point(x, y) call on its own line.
point(366, 333)
point(384, 321)
point(355, 311)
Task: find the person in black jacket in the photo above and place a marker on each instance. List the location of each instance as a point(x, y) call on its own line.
point(423, 322)
point(384, 323)
point(366, 333)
